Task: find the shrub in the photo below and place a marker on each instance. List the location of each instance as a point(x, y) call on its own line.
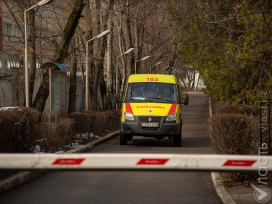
point(234, 133)
point(96, 122)
point(20, 128)
point(238, 109)
point(61, 133)
point(16, 127)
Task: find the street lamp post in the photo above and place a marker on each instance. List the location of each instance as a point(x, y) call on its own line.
point(87, 67)
point(41, 3)
point(116, 86)
point(155, 65)
point(140, 60)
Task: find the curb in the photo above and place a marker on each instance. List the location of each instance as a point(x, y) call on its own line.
point(24, 177)
point(224, 195)
point(90, 145)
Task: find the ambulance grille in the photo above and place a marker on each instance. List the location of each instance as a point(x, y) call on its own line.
point(154, 119)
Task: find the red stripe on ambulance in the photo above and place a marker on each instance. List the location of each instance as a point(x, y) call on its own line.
point(128, 108)
point(172, 109)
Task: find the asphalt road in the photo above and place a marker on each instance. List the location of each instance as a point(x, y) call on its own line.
point(132, 187)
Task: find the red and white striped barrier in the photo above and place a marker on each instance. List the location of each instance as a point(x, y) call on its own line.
point(186, 162)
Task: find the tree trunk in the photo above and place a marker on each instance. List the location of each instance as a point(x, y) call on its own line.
point(73, 80)
point(141, 37)
point(197, 85)
point(137, 51)
point(122, 47)
point(109, 63)
point(184, 83)
point(193, 80)
point(60, 53)
point(172, 61)
point(103, 90)
point(97, 62)
point(101, 52)
point(113, 85)
point(32, 37)
point(90, 50)
point(128, 43)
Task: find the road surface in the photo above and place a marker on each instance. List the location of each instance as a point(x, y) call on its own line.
point(120, 187)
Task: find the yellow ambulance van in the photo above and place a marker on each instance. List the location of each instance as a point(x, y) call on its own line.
point(152, 107)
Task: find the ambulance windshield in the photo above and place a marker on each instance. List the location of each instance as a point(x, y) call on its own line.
point(151, 92)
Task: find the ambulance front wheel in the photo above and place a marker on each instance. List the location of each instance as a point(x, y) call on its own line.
point(177, 139)
point(123, 139)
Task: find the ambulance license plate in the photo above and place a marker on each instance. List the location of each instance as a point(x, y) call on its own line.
point(150, 124)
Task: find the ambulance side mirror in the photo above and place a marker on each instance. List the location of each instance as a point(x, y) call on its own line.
point(186, 99)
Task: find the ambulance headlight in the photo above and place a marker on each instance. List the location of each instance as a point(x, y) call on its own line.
point(128, 116)
point(172, 117)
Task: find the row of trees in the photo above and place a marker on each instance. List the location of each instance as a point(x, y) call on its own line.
point(59, 32)
point(229, 43)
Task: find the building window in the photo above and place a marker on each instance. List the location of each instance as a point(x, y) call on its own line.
point(17, 32)
point(7, 29)
point(11, 31)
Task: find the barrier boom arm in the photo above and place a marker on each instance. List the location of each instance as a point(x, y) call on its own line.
point(185, 162)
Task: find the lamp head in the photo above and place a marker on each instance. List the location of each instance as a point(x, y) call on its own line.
point(103, 33)
point(128, 51)
point(44, 2)
point(145, 57)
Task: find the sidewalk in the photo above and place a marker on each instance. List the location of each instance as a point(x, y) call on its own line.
point(245, 194)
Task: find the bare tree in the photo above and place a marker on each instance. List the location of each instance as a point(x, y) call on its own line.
point(127, 38)
point(73, 78)
point(109, 60)
point(32, 51)
point(60, 53)
point(101, 51)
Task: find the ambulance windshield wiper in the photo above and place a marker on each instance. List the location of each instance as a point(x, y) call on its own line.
point(161, 99)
